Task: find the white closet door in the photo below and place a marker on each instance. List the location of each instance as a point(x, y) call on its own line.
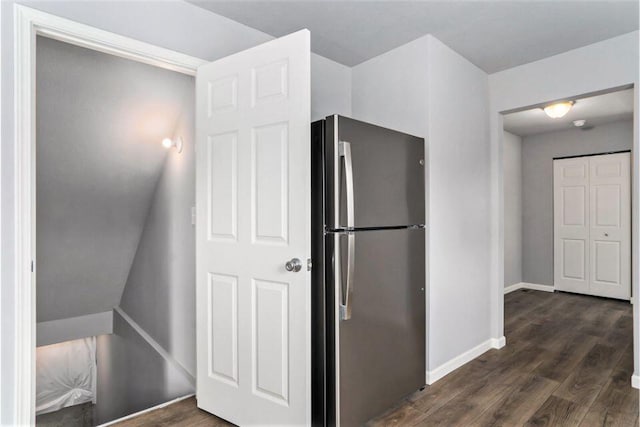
point(571, 224)
point(253, 215)
point(610, 226)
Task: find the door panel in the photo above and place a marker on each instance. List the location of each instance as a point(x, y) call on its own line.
point(270, 344)
point(269, 153)
point(253, 215)
point(573, 257)
point(388, 176)
point(382, 345)
point(223, 328)
point(571, 224)
point(222, 181)
point(607, 262)
point(574, 212)
point(610, 231)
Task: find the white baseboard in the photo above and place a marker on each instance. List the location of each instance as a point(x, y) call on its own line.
point(157, 347)
point(498, 343)
point(533, 286)
point(464, 358)
point(635, 381)
point(144, 411)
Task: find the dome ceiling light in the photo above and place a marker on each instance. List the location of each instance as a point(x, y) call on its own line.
point(559, 109)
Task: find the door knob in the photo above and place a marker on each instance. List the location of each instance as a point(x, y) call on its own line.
point(294, 265)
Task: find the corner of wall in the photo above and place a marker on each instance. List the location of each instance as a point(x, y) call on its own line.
point(457, 92)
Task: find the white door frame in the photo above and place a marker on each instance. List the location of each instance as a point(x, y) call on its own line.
point(497, 242)
point(29, 23)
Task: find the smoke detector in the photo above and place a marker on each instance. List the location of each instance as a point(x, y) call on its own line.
point(579, 123)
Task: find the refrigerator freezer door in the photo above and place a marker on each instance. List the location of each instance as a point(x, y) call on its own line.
point(388, 175)
point(382, 345)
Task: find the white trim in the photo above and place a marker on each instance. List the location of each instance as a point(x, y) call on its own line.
point(464, 358)
point(2, 344)
point(82, 35)
point(27, 24)
point(144, 411)
point(635, 381)
point(532, 286)
point(73, 328)
point(498, 343)
point(157, 347)
point(512, 288)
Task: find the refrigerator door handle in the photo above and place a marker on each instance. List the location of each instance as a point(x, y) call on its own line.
point(345, 153)
point(345, 306)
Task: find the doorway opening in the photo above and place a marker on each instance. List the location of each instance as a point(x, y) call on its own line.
point(567, 252)
point(115, 237)
point(31, 23)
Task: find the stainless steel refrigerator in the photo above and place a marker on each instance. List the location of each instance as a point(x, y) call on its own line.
point(368, 254)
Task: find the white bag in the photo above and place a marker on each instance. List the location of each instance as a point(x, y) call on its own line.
point(65, 374)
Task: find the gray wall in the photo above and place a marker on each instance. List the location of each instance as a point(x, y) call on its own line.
point(538, 152)
point(512, 157)
point(100, 121)
point(132, 375)
point(160, 290)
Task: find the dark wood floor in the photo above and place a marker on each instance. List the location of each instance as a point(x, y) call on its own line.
point(184, 413)
point(568, 362)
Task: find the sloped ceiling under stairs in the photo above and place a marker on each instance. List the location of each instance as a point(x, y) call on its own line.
point(100, 123)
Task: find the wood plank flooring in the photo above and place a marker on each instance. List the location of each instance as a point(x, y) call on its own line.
point(568, 362)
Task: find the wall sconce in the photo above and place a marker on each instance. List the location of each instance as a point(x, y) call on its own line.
point(177, 143)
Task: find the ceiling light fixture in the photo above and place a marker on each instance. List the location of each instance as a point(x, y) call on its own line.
point(559, 109)
point(177, 143)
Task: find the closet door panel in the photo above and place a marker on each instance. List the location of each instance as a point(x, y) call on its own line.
point(571, 224)
point(609, 234)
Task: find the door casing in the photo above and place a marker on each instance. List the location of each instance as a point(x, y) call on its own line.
point(30, 23)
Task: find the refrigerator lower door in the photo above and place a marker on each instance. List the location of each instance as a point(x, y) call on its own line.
point(381, 347)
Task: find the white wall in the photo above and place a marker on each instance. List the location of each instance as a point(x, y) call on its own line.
point(426, 89)
point(175, 25)
point(459, 169)
point(390, 90)
point(330, 88)
point(607, 64)
point(132, 375)
point(512, 209)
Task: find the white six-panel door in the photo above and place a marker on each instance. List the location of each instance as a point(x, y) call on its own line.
point(592, 225)
point(253, 215)
point(610, 226)
point(571, 224)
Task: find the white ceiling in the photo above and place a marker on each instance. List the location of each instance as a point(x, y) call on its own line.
point(596, 110)
point(494, 35)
